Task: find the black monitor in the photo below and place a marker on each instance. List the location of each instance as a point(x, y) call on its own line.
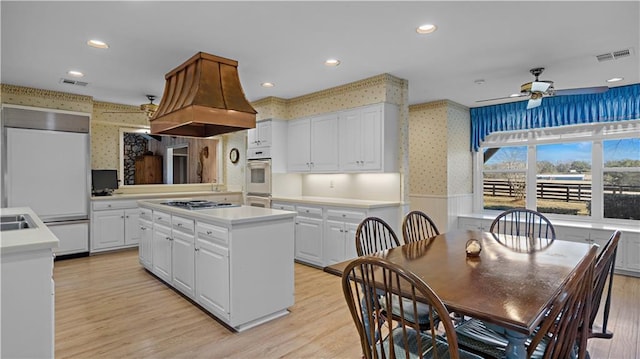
point(103, 182)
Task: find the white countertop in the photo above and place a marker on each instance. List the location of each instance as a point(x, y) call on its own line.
point(22, 240)
point(331, 201)
point(224, 216)
point(117, 196)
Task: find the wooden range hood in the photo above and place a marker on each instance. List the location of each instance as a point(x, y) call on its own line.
point(203, 97)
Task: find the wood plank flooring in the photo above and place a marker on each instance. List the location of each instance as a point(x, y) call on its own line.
point(107, 306)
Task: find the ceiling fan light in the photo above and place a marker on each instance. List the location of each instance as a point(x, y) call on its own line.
point(515, 95)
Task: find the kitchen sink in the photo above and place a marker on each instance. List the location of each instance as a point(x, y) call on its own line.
point(18, 221)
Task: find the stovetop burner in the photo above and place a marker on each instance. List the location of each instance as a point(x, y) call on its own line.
point(199, 204)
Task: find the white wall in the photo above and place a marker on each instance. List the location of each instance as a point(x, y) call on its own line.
point(365, 186)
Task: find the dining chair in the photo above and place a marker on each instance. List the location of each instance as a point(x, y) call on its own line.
point(603, 274)
point(416, 225)
point(563, 331)
point(523, 222)
point(367, 276)
point(374, 235)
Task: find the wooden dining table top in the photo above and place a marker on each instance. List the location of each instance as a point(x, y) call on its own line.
point(510, 283)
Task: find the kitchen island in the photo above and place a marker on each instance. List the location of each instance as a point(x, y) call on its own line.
point(26, 264)
point(234, 262)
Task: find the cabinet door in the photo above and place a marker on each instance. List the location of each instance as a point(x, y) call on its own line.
point(370, 139)
point(333, 242)
point(108, 229)
point(131, 226)
point(308, 246)
point(252, 137)
point(299, 147)
point(212, 277)
point(183, 263)
point(145, 250)
point(324, 143)
point(264, 133)
point(350, 241)
point(162, 252)
point(631, 251)
point(350, 138)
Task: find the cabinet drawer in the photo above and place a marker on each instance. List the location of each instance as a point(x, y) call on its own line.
point(348, 215)
point(212, 233)
point(182, 224)
point(310, 211)
point(145, 225)
point(104, 205)
point(146, 213)
point(284, 207)
point(162, 218)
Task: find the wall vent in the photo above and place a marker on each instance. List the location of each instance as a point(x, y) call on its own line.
point(73, 82)
point(614, 55)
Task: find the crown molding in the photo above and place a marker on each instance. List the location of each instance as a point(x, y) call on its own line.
point(437, 104)
point(109, 106)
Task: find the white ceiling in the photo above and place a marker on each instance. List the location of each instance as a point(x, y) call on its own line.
point(287, 42)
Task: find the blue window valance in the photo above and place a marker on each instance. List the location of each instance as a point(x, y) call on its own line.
point(618, 104)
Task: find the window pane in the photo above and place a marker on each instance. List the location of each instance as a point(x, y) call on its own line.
point(504, 190)
point(622, 188)
point(563, 178)
point(505, 158)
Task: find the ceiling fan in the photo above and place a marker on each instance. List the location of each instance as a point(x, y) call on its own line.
point(148, 108)
point(538, 89)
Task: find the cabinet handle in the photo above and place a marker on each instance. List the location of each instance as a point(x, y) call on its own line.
point(209, 232)
point(126, 216)
point(121, 217)
point(168, 238)
point(143, 228)
point(343, 215)
point(179, 224)
point(307, 211)
point(109, 205)
point(196, 249)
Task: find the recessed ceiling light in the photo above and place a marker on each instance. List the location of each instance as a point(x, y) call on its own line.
point(479, 82)
point(267, 84)
point(332, 62)
point(75, 73)
point(98, 44)
point(426, 29)
point(615, 79)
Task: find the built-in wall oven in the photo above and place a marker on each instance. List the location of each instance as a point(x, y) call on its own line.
point(258, 178)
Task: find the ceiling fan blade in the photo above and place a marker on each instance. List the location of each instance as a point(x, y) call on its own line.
point(581, 91)
point(539, 86)
point(534, 103)
point(503, 98)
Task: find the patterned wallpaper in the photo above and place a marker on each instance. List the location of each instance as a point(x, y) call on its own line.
point(17, 95)
point(234, 172)
point(439, 156)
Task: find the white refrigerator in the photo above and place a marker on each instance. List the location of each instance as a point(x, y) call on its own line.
point(46, 167)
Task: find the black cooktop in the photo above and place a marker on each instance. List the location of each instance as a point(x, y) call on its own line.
point(199, 204)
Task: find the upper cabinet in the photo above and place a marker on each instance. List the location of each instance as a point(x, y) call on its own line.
point(313, 144)
point(369, 139)
point(259, 136)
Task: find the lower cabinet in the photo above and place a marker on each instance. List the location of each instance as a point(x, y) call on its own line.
point(326, 235)
point(212, 269)
point(162, 252)
point(114, 224)
point(183, 255)
point(145, 250)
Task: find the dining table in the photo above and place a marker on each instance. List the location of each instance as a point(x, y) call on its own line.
point(508, 285)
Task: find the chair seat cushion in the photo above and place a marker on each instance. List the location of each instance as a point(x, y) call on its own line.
point(441, 349)
point(476, 336)
point(422, 314)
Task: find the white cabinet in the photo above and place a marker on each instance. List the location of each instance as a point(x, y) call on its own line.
point(212, 269)
point(631, 253)
point(183, 255)
point(27, 296)
point(369, 139)
point(340, 233)
point(309, 235)
point(313, 144)
point(74, 237)
point(145, 250)
point(259, 136)
point(115, 224)
point(162, 251)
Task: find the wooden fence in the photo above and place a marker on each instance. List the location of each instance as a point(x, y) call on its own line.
point(553, 190)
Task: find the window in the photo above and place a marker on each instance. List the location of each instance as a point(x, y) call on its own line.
point(621, 178)
point(583, 171)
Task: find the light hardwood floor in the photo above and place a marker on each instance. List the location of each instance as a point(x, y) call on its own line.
point(107, 306)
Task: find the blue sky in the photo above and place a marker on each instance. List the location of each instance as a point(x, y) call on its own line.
point(628, 148)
